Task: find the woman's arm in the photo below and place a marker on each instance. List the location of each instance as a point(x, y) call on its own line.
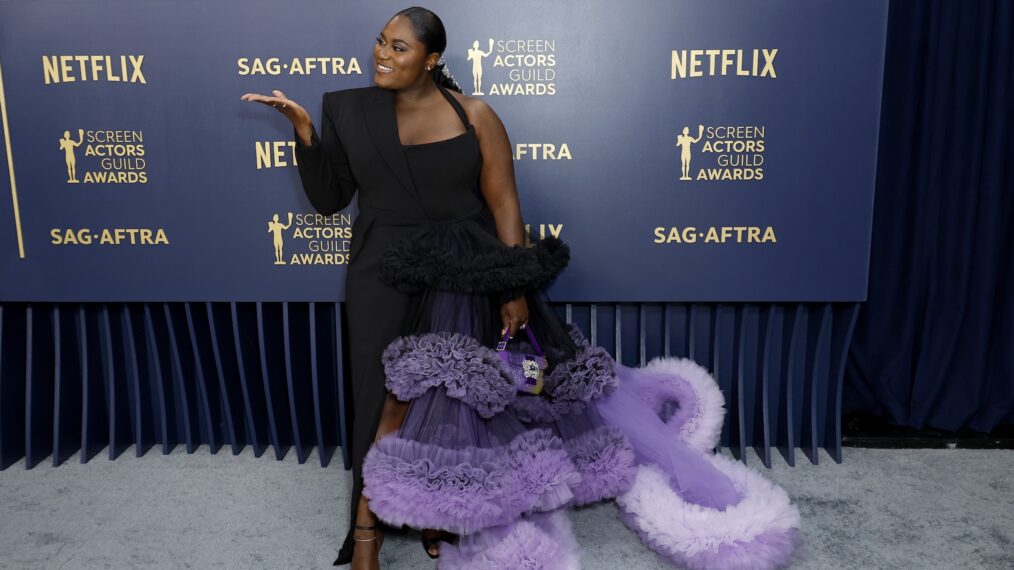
point(323, 165)
point(500, 191)
point(497, 177)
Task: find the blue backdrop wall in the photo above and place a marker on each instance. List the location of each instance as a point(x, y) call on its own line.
point(711, 165)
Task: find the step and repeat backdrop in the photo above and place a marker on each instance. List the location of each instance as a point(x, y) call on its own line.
point(686, 151)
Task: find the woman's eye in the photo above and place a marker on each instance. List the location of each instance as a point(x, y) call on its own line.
point(381, 42)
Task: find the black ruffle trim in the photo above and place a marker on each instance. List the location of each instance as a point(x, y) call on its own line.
point(413, 265)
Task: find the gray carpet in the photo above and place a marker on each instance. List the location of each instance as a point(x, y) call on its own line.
point(926, 509)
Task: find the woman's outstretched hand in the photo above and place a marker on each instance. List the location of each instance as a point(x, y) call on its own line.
point(293, 111)
point(514, 314)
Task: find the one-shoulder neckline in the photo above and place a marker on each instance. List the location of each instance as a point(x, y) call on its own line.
point(469, 129)
point(458, 109)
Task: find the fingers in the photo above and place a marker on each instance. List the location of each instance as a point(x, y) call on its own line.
point(258, 98)
point(514, 324)
point(281, 96)
point(276, 102)
point(510, 323)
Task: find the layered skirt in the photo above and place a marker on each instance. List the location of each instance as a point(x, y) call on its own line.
point(498, 468)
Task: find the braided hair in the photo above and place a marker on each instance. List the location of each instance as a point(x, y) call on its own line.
point(429, 30)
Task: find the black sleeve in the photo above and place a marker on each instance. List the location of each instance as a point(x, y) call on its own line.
point(324, 167)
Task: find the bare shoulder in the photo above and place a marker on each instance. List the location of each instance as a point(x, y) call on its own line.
point(477, 110)
point(481, 115)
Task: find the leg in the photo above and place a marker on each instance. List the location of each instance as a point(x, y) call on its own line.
point(391, 419)
point(375, 316)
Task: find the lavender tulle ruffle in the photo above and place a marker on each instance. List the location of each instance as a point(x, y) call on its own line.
point(469, 371)
point(697, 508)
point(605, 461)
point(539, 541)
point(466, 490)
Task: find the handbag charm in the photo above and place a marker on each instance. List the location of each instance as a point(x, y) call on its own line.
point(527, 370)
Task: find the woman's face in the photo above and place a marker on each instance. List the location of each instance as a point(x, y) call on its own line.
point(399, 59)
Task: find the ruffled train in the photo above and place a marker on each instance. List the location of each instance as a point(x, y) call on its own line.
point(496, 467)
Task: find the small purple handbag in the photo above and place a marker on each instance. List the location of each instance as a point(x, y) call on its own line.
point(527, 369)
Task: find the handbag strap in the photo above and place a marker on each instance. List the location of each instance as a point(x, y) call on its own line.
point(502, 345)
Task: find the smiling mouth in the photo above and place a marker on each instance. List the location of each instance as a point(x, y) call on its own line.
point(384, 69)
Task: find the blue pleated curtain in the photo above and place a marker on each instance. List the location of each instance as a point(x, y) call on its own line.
point(934, 344)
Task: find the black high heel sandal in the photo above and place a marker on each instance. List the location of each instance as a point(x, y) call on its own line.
point(434, 540)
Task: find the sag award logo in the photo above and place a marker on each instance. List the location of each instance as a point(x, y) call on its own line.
point(520, 67)
point(114, 157)
point(67, 146)
point(475, 56)
point(683, 141)
point(318, 239)
point(734, 152)
point(275, 227)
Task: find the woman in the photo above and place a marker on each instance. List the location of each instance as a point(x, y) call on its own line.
point(437, 268)
point(332, 170)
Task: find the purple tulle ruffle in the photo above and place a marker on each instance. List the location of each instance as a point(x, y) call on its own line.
point(605, 460)
point(471, 372)
point(469, 489)
point(540, 541)
point(589, 375)
point(759, 532)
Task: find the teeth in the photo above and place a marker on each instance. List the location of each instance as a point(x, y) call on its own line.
point(384, 68)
